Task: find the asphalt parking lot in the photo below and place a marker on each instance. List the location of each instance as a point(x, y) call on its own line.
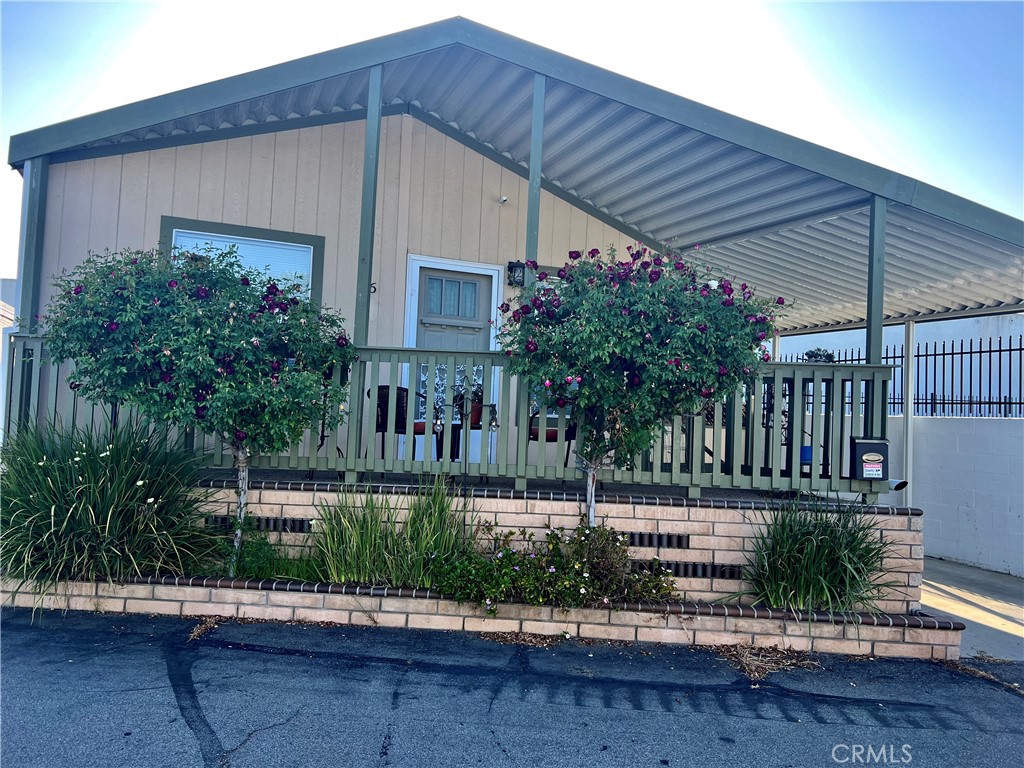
point(114, 690)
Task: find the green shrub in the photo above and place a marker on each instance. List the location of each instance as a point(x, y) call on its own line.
point(259, 559)
point(817, 558)
point(589, 566)
point(364, 541)
point(84, 505)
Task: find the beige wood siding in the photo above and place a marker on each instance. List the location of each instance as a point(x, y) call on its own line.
point(436, 197)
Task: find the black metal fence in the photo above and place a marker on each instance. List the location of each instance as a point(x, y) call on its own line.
point(970, 377)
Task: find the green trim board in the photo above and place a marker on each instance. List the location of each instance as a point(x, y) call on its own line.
point(221, 134)
point(876, 280)
point(536, 166)
point(30, 243)
point(368, 207)
point(317, 242)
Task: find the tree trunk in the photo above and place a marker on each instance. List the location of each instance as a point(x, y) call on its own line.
point(242, 462)
point(591, 494)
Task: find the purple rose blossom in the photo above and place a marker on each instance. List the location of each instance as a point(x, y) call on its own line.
point(679, 266)
point(78, 289)
point(723, 371)
point(537, 302)
point(551, 314)
point(342, 341)
point(505, 306)
point(706, 392)
point(201, 411)
point(275, 365)
point(134, 262)
point(562, 273)
point(240, 436)
point(702, 327)
point(542, 276)
point(244, 281)
point(531, 264)
point(531, 345)
point(645, 265)
point(727, 302)
point(113, 325)
point(252, 315)
point(272, 289)
point(574, 255)
point(556, 302)
point(780, 301)
point(166, 377)
point(654, 276)
point(526, 309)
point(560, 402)
point(202, 293)
point(172, 284)
point(517, 315)
point(593, 253)
point(761, 336)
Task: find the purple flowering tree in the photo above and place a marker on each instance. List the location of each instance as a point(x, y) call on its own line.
point(628, 344)
point(197, 340)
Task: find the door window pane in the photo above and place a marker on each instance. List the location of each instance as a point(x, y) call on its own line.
point(467, 308)
point(451, 298)
point(434, 287)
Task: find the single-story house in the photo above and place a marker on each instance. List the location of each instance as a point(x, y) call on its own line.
point(405, 175)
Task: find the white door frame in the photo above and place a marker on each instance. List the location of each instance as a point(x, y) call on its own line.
point(412, 291)
point(412, 301)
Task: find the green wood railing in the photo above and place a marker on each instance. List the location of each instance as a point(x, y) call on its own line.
point(430, 412)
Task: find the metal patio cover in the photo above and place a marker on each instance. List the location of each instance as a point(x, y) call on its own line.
point(787, 215)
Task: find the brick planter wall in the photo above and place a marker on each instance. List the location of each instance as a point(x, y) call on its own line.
point(702, 541)
point(910, 636)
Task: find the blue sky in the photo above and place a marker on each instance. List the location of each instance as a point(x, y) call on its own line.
point(933, 90)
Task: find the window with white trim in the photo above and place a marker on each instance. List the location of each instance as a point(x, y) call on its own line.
point(282, 260)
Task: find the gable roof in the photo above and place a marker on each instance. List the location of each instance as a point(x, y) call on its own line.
point(786, 214)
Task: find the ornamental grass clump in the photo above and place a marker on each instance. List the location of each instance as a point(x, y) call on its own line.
point(199, 341)
point(80, 505)
point(366, 540)
point(627, 344)
point(817, 556)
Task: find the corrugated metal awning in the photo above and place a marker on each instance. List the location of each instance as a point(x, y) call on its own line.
point(787, 215)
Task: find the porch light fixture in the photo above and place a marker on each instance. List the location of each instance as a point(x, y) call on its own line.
point(516, 273)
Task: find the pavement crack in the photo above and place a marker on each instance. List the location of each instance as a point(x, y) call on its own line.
point(224, 760)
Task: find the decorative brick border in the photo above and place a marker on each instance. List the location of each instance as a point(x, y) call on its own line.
point(703, 542)
point(910, 636)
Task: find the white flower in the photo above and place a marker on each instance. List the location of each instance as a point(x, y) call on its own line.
point(104, 454)
point(150, 500)
point(583, 590)
point(140, 482)
point(78, 458)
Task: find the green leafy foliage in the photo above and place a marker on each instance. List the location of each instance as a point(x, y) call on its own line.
point(257, 558)
point(630, 343)
point(80, 505)
point(198, 340)
point(817, 557)
point(589, 566)
point(365, 541)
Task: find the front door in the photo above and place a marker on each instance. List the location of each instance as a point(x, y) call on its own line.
point(453, 310)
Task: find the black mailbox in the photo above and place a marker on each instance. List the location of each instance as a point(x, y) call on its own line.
point(869, 458)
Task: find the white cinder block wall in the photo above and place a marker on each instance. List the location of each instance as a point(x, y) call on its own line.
point(968, 477)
